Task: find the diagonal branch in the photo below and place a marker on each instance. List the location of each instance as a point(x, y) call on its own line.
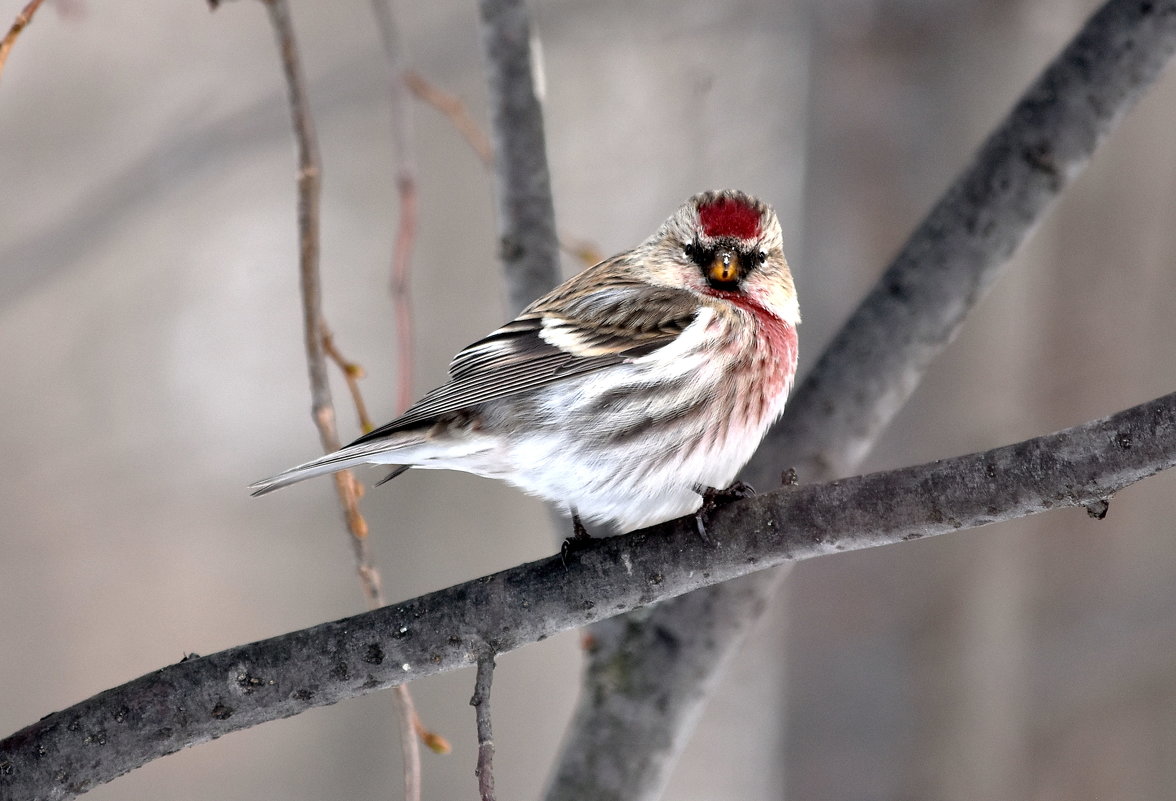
point(917, 307)
point(863, 379)
point(68, 752)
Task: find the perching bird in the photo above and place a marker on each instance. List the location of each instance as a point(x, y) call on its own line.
point(626, 391)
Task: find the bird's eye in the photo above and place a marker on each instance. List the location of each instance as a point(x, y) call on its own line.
point(761, 256)
point(688, 249)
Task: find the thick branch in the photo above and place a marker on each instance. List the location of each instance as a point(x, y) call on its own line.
point(69, 752)
point(862, 380)
point(526, 214)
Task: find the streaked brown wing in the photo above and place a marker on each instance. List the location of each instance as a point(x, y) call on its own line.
point(552, 340)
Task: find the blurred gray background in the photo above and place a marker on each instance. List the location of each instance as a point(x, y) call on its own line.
point(153, 366)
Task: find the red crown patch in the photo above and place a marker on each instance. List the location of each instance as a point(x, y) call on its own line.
point(729, 217)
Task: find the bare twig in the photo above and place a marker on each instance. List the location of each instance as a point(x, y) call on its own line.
point(322, 408)
point(865, 376)
point(481, 704)
point(526, 213)
point(583, 251)
point(319, 344)
point(412, 731)
point(71, 751)
point(451, 106)
point(352, 372)
point(22, 20)
point(409, 744)
point(406, 188)
point(401, 287)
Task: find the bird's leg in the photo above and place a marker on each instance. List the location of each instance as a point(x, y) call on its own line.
point(578, 530)
point(578, 540)
point(714, 498)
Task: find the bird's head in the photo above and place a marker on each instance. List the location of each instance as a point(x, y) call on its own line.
point(725, 244)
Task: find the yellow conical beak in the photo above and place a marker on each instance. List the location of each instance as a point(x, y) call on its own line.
point(726, 267)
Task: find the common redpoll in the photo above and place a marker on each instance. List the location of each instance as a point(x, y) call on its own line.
point(626, 391)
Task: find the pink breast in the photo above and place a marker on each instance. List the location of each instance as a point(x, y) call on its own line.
point(772, 362)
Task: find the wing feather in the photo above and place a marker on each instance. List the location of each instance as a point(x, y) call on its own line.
point(557, 337)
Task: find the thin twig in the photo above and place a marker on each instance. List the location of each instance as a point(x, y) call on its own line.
point(320, 343)
point(454, 109)
point(406, 189)
point(526, 213)
point(352, 372)
point(309, 186)
point(199, 699)
point(401, 286)
point(484, 770)
point(583, 251)
point(22, 20)
point(412, 731)
point(409, 744)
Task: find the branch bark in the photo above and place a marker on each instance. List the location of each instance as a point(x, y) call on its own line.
point(71, 751)
point(526, 214)
point(860, 382)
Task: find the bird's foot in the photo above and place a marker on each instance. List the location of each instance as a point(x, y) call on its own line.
point(712, 499)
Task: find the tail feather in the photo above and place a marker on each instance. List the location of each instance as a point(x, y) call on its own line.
point(350, 456)
point(400, 468)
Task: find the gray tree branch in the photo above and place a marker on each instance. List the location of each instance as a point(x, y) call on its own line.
point(71, 751)
point(864, 377)
point(526, 214)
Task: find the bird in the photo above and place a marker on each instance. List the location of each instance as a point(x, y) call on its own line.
point(630, 394)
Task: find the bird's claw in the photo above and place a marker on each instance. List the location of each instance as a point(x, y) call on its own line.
point(712, 499)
